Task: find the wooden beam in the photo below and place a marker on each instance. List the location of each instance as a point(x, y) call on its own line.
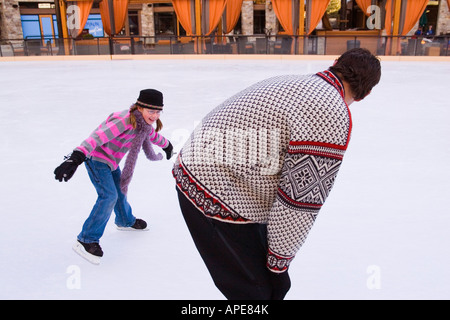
point(301, 26)
point(198, 41)
point(301, 23)
point(142, 2)
point(395, 28)
point(198, 17)
point(63, 13)
point(397, 11)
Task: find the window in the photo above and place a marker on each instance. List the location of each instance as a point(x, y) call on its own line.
point(133, 21)
point(165, 23)
point(39, 26)
point(259, 21)
point(47, 26)
point(131, 27)
point(94, 25)
point(31, 27)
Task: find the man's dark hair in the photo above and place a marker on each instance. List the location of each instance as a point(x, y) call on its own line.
point(360, 68)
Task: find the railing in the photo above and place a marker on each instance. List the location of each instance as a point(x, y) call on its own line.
point(236, 44)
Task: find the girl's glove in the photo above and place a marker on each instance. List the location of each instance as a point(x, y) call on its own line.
point(67, 168)
point(169, 151)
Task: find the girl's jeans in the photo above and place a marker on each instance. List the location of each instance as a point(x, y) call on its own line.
point(107, 184)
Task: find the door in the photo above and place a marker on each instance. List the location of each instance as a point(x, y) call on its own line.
point(47, 29)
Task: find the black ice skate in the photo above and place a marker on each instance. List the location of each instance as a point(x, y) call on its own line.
point(92, 252)
point(139, 225)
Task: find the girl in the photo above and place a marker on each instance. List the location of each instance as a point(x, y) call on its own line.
point(102, 151)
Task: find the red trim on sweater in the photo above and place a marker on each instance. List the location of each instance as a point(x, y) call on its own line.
point(332, 79)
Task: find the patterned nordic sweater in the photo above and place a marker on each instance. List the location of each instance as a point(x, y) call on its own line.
point(113, 138)
point(269, 154)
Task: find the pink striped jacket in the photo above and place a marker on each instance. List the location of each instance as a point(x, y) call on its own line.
point(113, 138)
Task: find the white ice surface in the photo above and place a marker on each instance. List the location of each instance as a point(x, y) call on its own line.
point(382, 234)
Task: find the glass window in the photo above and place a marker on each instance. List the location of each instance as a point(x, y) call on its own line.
point(30, 26)
point(94, 25)
point(259, 21)
point(55, 25)
point(133, 21)
point(165, 23)
point(47, 27)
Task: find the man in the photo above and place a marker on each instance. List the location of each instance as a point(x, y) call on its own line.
point(254, 174)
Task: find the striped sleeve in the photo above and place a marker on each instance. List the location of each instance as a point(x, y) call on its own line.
point(108, 130)
point(158, 139)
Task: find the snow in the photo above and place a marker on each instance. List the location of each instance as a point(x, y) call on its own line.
point(382, 234)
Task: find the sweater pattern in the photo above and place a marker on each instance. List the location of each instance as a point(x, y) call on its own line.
point(289, 134)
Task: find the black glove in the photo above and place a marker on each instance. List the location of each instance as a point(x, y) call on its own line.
point(67, 168)
point(169, 151)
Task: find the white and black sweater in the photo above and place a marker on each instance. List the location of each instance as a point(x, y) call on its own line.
point(269, 154)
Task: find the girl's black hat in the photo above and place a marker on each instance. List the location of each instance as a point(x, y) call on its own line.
point(151, 99)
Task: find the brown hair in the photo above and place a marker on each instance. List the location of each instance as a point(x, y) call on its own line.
point(360, 69)
point(134, 107)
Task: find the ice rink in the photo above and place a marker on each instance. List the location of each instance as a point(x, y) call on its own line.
point(382, 234)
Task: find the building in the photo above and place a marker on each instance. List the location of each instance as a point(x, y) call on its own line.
point(154, 22)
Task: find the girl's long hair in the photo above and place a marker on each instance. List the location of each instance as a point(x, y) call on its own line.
point(159, 124)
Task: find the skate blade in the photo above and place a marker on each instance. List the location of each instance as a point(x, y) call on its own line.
point(130, 229)
point(79, 249)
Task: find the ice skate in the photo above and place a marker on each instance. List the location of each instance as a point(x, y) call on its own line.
point(92, 252)
point(139, 225)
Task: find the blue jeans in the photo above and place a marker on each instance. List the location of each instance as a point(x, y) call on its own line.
point(107, 184)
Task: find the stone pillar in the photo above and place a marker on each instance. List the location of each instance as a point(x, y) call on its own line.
point(271, 19)
point(148, 22)
point(11, 26)
point(247, 17)
point(443, 23)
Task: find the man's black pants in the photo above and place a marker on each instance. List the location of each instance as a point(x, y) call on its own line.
point(235, 255)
